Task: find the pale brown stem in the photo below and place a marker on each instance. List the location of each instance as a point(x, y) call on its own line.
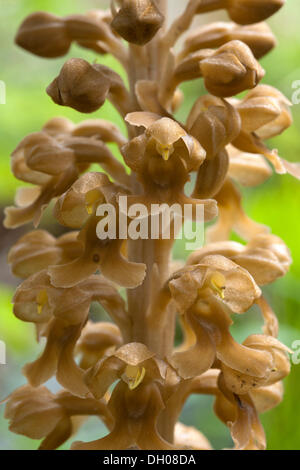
point(149, 252)
point(180, 25)
point(154, 254)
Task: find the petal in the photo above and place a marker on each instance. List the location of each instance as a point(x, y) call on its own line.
point(121, 271)
point(60, 434)
point(261, 264)
point(41, 370)
point(100, 128)
point(32, 253)
point(101, 376)
point(165, 131)
point(240, 288)
point(143, 119)
point(268, 397)
point(186, 362)
point(69, 374)
point(248, 169)
point(69, 275)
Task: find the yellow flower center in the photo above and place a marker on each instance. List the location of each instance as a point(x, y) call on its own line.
point(165, 151)
point(217, 283)
point(41, 300)
point(92, 200)
point(133, 376)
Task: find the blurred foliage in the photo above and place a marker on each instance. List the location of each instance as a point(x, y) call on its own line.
point(276, 203)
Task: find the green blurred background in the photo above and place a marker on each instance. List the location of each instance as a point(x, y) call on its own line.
point(276, 203)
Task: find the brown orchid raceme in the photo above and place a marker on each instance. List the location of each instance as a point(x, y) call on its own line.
point(128, 369)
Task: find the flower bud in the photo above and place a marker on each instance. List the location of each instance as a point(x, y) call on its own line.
point(215, 127)
point(274, 107)
point(243, 11)
point(137, 21)
point(252, 11)
point(231, 70)
point(211, 176)
point(43, 34)
point(258, 37)
point(81, 28)
point(80, 86)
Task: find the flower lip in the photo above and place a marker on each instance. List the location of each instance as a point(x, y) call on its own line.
point(134, 376)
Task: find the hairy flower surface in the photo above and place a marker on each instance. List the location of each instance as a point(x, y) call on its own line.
point(128, 369)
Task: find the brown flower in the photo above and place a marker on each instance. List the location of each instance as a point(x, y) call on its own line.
point(219, 276)
point(265, 113)
point(265, 257)
point(231, 70)
point(77, 209)
point(133, 363)
point(242, 383)
point(60, 315)
point(136, 414)
point(163, 157)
